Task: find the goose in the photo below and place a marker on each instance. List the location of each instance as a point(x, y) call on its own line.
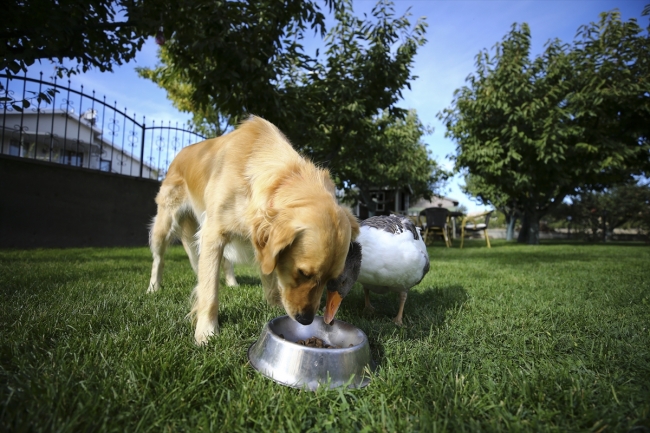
point(389, 255)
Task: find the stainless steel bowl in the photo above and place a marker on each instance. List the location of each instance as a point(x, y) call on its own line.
point(278, 357)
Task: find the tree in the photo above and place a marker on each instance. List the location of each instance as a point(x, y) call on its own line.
point(92, 33)
point(396, 157)
point(252, 39)
point(344, 111)
point(226, 59)
point(603, 211)
point(95, 33)
point(531, 132)
point(334, 108)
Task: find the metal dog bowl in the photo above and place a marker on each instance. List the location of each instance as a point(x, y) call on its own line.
point(291, 364)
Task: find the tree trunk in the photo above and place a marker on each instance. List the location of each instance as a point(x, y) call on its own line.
point(529, 233)
point(523, 233)
point(511, 220)
point(511, 214)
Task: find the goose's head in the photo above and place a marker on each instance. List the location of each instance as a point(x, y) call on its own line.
point(339, 287)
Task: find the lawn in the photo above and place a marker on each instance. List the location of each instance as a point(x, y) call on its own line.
point(514, 338)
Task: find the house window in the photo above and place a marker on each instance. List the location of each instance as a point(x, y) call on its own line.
point(105, 165)
point(71, 157)
point(25, 150)
point(14, 148)
point(378, 197)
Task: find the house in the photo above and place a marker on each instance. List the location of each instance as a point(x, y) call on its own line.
point(63, 137)
point(388, 200)
point(399, 201)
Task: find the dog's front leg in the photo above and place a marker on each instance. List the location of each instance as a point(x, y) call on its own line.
point(271, 290)
point(206, 294)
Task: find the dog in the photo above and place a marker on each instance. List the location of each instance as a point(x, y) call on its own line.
point(250, 190)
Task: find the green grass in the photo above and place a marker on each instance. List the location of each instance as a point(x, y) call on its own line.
point(514, 338)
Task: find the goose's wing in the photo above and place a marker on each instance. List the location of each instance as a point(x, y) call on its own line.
point(393, 224)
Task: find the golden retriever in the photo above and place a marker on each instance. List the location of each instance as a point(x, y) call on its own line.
point(250, 188)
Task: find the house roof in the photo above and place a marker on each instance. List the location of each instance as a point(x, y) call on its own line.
point(436, 200)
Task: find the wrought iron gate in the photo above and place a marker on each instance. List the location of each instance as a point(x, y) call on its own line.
point(82, 130)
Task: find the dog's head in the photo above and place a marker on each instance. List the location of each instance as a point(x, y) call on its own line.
point(305, 244)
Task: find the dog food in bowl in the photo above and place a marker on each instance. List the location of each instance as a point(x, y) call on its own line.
point(316, 342)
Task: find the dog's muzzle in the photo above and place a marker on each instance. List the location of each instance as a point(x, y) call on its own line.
point(305, 318)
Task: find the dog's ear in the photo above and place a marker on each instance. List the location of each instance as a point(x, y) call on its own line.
point(269, 237)
point(280, 237)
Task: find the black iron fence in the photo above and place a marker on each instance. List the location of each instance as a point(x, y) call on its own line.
point(82, 130)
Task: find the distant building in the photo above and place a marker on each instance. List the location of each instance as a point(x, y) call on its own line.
point(398, 201)
point(64, 137)
point(388, 200)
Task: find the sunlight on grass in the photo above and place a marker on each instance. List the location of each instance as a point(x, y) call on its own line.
point(548, 338)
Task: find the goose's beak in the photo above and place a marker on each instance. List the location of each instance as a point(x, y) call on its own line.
point(331, 306)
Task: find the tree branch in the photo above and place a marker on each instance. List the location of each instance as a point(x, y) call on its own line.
point(74, 30)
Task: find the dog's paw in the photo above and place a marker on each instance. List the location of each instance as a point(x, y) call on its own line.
point(153, 287)
point(232, 282)
point(201, 340)
point(205, 328)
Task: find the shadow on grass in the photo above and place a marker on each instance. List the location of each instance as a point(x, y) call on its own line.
point(426, 310)
point(248, 280)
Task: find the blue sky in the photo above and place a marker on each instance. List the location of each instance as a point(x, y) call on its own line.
point(457, 31)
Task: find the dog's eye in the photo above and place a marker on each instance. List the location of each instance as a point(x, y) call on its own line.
point(303, 273)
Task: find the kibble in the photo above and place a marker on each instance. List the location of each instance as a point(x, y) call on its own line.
point(316, 342)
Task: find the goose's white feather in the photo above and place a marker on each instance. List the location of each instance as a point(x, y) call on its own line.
point(394, 260)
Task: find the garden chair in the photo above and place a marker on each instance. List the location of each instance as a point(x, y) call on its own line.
point(475, 223)
point(436, 224)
